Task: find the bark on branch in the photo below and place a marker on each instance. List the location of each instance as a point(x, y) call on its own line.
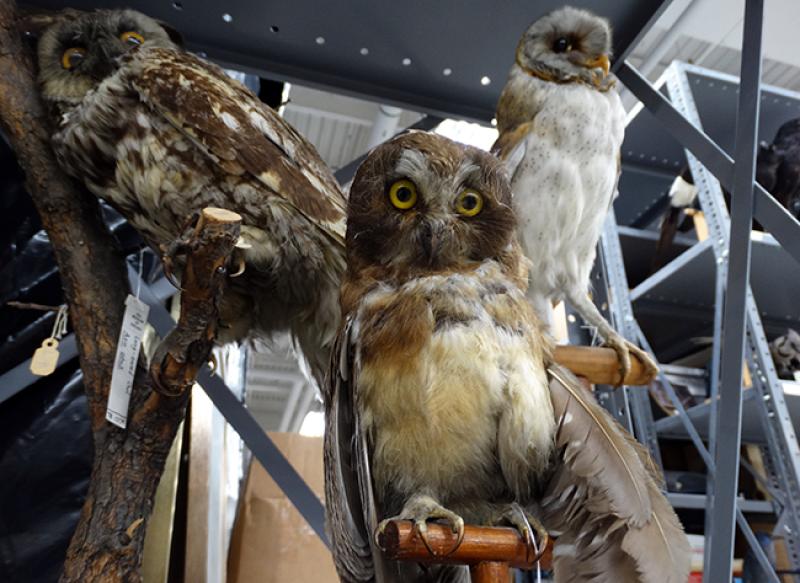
point(107, 544)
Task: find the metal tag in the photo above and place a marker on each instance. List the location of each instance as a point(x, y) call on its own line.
point(45, 358)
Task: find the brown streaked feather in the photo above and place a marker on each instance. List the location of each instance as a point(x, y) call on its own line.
point(243, 135)
point(348, 500)
point(598, 450)
point(660, 549)
point(640, 542)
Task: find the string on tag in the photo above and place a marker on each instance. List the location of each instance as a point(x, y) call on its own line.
point(60, 324)
point(139, 272)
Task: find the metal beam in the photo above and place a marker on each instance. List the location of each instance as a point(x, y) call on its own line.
point(768, 211)
point(729, 419)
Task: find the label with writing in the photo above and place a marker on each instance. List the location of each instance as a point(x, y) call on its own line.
point(130, 340)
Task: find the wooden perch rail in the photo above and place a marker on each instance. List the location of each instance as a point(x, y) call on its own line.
point(488, 551)
point(600, 365)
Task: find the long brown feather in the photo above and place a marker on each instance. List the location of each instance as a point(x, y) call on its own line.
point(603, 500)
point(598, 450)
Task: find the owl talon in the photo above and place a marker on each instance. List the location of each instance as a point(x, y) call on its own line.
point(420, 509)
point(529, 527)
point(624, 348)
point(240, 266)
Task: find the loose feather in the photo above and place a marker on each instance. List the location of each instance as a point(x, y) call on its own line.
point(598, 450)
point(603, 500)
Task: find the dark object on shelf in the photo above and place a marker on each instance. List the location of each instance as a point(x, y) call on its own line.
point(685, 482)
point(785, 352)
point(777, 170)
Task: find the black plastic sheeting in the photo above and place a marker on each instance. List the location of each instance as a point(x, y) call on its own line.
point(45, 437)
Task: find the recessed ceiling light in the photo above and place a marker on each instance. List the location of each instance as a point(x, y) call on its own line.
point(227, 18)
point(320, 40)
point(447, 71)
point(485, 80)
point(406, 62)
point(364, 51)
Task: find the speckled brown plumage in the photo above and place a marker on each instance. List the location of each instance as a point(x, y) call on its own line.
point(160, 133)
point(440, 404)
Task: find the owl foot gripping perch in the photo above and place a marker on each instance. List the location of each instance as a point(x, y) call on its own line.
point(421, 508)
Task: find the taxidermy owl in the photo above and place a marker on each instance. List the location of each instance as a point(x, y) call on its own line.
point(561, 126)
point(160, 134)
point(777, 170)
point(443, 402)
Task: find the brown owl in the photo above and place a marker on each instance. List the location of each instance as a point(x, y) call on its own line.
point(160, 134)
point(443, 402)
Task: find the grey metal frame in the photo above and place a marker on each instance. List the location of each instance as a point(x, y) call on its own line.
point(737, 325)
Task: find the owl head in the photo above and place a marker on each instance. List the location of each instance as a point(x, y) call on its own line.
point(568, 44)
point(78, 50)
point(424, 202)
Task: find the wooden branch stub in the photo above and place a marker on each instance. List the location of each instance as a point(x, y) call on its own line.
point(600, 365)
point(400, 542)
point(490, 572)
point(187, 347)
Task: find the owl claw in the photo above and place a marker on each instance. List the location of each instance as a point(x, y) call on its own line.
point(422, 508)
point(624, 348)
point(530, 528)
point(240, 267)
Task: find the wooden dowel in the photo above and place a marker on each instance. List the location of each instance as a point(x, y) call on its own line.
point(400, 542)
point(490, 572)
point(600, 365)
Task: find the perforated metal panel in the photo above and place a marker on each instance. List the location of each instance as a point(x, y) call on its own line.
point(398, 52)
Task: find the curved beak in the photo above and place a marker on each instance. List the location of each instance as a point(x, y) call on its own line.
point(600, 62)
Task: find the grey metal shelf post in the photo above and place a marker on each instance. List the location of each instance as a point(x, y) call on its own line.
point(781, 439)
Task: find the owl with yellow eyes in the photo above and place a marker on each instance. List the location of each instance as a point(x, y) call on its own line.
point(160, 134)
point(443, 402)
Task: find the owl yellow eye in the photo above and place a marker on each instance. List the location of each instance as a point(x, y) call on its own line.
point(469, 203)
point(131, 37)
point(72, 57)
point(403, 194)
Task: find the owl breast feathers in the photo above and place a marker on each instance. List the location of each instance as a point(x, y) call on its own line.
point(166, 134)
point(442, 400)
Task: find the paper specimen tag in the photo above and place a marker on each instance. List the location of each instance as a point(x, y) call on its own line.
point(45, 358)
point(130, 340)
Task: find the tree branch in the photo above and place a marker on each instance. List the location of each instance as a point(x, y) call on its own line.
point(107, 544)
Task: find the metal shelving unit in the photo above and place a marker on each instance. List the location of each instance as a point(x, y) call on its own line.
point(685, 298)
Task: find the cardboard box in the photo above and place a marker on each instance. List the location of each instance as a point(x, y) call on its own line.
point(271, 542)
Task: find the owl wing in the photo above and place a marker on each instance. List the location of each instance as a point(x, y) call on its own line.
point(237, 132)
point(510, 147)
point(350, 502)
point(604, 498)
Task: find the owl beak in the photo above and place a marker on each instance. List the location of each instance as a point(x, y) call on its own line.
point(600, 62)
point(431, 239)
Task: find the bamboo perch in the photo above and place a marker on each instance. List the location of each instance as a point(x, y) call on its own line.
point(481, 544)
point(600, 365)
